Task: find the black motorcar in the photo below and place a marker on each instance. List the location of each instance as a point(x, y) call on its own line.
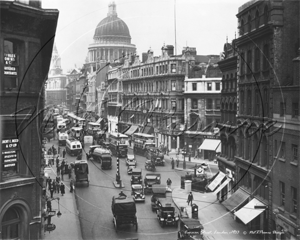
point(166, 213)
point(190, 228)
point(150, 179)
point(136, 176)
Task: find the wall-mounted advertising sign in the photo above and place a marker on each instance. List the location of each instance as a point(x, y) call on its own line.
point(10, 149)
point(10, 60)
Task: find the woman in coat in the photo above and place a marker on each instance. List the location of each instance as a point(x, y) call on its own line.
point(62, 189)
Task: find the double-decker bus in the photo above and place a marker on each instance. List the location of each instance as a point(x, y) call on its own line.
point(141, 142)
point(118, 140)
point(75, 120)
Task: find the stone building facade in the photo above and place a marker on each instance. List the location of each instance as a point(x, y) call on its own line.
point(26, 39)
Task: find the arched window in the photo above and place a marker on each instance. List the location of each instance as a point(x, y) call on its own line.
point(257, 19)
point(255, 150)
point(257, 60)
point(257, 103)
point(249, 61)
point(264, 152)
point(266, 57)
point(242, 102)
point(249, 102)
point(266, 15)
point(241, 144)
point(242, 27)
point(11, 224)
point(249, 23)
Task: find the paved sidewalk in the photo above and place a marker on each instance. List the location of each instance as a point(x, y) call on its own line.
point(218, 223)
point(68, 225)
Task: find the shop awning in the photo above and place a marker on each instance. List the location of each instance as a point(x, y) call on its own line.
point(248, 212)
point(216, 181)
point(131, 130)
point(148, 130)
point(99, 120)
point(211, 145)
point(236, 199)
point(222, 185)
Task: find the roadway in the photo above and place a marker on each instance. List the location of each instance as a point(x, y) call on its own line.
point(94, 202)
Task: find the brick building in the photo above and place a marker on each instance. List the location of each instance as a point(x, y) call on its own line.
point(267, 44)
point(227, 125)
point(27, 36)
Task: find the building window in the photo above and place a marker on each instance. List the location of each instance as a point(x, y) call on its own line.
point(249, 102)
point(217, 86)
point(249, 23)
point(282, 193)
point(294, 153)
point(194, 86)
point(257, 103)
point(173, 68)
point(294, 200)
point(266, 57)
point(173, 82)
point(282, 108)
point(218, 101)
point(242, 27)
point(11, 53)
point(275, 148)
point(266, 15)
point(295, 109)
point(11, 224)
point(208, 104)
point(257, 60)
point(249, 61)
point(194, 103)
point(282, 150)
point(242, 63)
point(208, 86)
point(257, 19)
point(242, 101)
point(173, 105)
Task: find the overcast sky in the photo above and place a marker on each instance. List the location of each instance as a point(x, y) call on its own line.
point(203, 24)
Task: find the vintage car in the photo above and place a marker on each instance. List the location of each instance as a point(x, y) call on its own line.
point(137, 192)
point(150, 179)
point(130, 160)
point(81, 171)
point(136, 176)
point(190, 228)
point(166, 213)
point(159, 191)
point(124, 211)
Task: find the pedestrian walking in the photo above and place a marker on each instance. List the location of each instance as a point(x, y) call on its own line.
point(57, 161)
point(58, 170)
point(177, 162)
point(64, 153)
point(54, 186)
point(70, 171)
point(71, 186)
point(169, 182)
point(57, 179)
point(62, 188)
point(49, 183)
point(172, 163)
point(58, 150)
point(51, 188)
point(57, 187)
point(190, 198)
point(62, 174)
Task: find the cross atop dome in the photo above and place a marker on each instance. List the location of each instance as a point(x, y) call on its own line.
point(112, 9)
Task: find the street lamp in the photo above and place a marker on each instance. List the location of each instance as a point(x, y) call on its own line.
point(58, 213)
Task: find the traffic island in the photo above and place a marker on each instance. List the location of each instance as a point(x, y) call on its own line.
point(118, 184)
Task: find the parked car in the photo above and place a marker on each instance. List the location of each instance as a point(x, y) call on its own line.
point(130, 160)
